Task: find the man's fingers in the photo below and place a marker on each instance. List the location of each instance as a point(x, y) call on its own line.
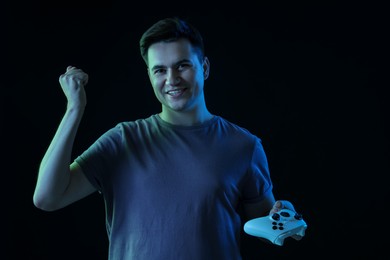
point(76, 74)
point(282, 204)
point(277, 206)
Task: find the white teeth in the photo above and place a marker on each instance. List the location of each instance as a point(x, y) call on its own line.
point(173, 92)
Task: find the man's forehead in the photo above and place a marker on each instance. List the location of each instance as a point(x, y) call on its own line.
point(169, 53)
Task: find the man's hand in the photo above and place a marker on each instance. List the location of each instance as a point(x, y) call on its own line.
point(72, 83)
point(282, 204)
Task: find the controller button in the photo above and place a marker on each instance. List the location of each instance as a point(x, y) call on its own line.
point(281, 228)
point(280, 224)
point(274, 223)
point(274, 227)
point(285, 214)
point(275, 216)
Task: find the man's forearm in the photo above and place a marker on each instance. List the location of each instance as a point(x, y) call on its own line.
point(54, 173)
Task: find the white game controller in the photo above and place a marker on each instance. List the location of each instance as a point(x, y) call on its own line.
point(277, 226)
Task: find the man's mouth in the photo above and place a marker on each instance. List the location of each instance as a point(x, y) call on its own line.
point(175, 92)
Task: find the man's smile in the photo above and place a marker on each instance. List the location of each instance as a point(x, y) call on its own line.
point(176, 92)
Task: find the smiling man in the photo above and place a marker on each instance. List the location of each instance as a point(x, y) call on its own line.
point(177, 72)
point(173, 182)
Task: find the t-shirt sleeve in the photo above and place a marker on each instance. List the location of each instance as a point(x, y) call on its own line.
point(258, 182)
point(99, 158)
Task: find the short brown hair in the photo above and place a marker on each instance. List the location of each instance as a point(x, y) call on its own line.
point(171, 29)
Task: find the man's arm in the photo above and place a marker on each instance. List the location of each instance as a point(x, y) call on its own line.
point(60, 183)
point(259, 209)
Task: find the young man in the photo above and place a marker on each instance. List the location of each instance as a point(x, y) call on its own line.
point(172, 183)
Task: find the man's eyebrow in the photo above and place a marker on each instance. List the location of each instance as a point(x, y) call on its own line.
point(156, 67)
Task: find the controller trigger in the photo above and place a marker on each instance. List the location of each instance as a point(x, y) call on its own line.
point(298, 216)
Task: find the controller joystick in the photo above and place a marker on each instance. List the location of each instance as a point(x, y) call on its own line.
point(277, 226)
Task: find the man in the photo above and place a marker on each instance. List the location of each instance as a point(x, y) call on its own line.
point(172, 183)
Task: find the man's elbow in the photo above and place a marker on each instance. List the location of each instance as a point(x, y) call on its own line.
point(42, 203)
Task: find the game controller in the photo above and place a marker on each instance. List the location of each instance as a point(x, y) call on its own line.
point(277, 226)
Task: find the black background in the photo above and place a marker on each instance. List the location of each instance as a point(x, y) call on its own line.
point(310, 79)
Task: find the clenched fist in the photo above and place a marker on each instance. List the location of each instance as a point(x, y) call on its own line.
point(72, 83)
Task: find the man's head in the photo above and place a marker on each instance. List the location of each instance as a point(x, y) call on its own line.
point(177, 68)
point(168, 30)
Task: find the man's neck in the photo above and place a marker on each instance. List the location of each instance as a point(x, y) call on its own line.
point(187, 118)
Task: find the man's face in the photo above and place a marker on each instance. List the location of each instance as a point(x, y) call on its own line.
point(176, 75)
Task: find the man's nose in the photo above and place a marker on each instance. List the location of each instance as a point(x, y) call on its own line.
point(172, 78)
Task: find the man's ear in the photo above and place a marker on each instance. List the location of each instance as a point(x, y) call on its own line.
point(206, 68)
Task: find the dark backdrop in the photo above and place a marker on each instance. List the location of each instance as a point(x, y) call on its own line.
point(309, 79)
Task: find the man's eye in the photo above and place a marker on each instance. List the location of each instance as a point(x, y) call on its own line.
point(183, 66)
point(158, 71)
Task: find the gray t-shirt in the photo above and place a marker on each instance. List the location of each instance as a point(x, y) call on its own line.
point(172, 192)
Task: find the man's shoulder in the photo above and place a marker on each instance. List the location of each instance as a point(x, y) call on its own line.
point(234, 128)
point(139, 122)
point(124, 128)
point(232, 125)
